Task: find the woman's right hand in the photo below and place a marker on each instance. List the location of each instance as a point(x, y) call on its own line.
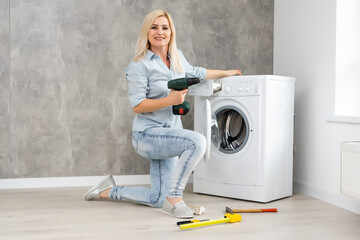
point(176, 97)
point(151, 105)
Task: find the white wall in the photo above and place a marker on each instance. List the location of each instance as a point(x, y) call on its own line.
point(304, 47)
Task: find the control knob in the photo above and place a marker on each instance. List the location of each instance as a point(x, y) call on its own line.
point(227, 89)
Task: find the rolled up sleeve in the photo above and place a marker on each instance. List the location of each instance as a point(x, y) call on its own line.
point(191, 71)
point(137, 83)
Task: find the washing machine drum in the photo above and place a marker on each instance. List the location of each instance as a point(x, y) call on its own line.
point(233, 130)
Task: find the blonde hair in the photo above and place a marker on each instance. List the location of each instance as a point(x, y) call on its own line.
point(143, 44)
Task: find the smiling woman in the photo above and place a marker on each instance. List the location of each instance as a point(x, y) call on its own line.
point(153, 20)
point(159, 31)
point(159, 38)
point(158, 133)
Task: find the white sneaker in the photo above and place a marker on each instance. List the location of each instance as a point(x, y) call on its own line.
point(179, 210)
point(94, 192)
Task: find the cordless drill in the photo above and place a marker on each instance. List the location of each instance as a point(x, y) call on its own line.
point(178, 85)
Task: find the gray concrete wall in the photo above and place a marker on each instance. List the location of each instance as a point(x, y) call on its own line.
point(64, 108)
point(5, 167)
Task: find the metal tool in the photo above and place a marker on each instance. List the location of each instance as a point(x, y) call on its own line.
point(191, 221)
point(229, 210)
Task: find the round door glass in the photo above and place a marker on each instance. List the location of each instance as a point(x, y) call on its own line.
point(233, 129)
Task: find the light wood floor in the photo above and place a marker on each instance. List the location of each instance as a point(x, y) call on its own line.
point(61, 213)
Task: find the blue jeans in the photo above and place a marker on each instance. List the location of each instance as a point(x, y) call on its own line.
point(174, 153)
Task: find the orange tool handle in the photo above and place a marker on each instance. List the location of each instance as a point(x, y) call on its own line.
point(254, 210)
point(269, 210)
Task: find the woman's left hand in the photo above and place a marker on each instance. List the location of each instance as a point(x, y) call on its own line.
point(212, 74)
point(230, 73)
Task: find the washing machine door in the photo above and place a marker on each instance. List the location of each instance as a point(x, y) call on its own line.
point(234, 150)
point(227, 129)
point(211, 129)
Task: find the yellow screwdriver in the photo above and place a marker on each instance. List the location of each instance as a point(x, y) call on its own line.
point(228, 218)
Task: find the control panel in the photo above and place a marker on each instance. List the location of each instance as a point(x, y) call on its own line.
point(239, 87)
point(229, 86)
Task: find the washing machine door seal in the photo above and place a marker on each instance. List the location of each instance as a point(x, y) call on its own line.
point(234, 129)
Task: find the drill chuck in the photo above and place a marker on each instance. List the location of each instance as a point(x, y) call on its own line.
point(192, 81)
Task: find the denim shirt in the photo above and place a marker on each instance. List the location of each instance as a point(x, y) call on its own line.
point(148, 78)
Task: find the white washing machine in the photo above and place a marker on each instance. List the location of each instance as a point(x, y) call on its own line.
point(249, 128)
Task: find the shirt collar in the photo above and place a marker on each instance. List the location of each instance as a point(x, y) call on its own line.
point(149, 55)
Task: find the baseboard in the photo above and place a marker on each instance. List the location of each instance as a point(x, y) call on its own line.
point(339, 200)
point(18, 183)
